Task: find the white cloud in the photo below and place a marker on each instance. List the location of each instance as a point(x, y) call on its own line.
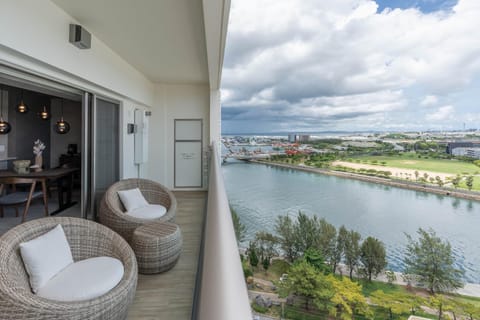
point(429, 101)
point(340, 57)
point(441, 114)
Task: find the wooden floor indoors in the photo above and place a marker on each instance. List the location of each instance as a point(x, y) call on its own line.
point(170, 295)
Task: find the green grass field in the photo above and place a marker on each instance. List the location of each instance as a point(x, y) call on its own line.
point(408, 161)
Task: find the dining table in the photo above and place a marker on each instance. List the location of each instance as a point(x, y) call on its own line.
point(63, 178)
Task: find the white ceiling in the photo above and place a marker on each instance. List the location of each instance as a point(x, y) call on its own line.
point(163, 39)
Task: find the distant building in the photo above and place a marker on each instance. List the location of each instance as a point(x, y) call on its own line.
point(460, 148)
point(473, 153)
point(303, 138)
point(292, 138)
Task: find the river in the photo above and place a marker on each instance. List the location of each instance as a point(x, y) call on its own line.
point(259, 193)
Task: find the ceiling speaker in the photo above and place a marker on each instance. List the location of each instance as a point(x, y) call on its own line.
point(80, 37)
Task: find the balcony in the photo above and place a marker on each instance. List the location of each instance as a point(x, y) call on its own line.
point(207, 282)
point(170, 295)
point(217, 290)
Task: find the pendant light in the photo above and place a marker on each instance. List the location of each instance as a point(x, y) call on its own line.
point(44, 115)
point(22, 108)
point(62, 126)
point(5, 127)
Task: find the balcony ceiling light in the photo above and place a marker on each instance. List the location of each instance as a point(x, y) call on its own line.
point(22, 107)
point(62, 126)
point(44, 115)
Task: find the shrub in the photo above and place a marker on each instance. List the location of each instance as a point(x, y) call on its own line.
point(258, 308)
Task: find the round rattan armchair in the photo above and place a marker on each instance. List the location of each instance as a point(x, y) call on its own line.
point(87, 239)
point(112, 212)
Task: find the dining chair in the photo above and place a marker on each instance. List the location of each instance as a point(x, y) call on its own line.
point(16, 198)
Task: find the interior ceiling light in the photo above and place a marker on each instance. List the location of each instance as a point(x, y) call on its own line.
point(62, 126)
point(22, 108)
point(44, 115)
point(5, 127)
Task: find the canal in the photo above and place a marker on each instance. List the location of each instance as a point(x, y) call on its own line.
point(259, 193)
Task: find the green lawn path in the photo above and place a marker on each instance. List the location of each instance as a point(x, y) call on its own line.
point(413, 162)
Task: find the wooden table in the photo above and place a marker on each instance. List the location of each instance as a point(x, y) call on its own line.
point(63, 176)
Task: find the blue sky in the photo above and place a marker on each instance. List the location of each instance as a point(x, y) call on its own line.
point(426, 6)
point(348, 65)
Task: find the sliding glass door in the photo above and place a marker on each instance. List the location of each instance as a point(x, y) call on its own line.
point(102, 150)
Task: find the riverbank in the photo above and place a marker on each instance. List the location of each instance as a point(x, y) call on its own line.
point(411, 185)
point(263, 291)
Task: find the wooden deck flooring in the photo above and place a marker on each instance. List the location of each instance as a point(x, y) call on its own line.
point(170, 295)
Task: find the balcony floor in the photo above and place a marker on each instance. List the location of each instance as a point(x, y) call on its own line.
point(162, 296)
point(170, 295)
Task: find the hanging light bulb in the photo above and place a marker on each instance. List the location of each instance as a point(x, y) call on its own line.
point(62, 126)
point(5, 127)
point(44, 115)
point(22, 107)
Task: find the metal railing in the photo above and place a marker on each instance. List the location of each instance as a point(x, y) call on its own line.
point(221, 292)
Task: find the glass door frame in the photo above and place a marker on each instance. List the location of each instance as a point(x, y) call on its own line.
point(89, 136)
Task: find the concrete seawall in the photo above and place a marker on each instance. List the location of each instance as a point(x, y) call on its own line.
point(411, 185)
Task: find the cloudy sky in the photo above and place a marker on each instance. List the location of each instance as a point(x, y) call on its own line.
point(328, 65)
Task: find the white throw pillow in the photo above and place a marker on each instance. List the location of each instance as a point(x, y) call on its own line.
point(152, 211)
point(45, 256)
point(84, 280)
point(132, 199)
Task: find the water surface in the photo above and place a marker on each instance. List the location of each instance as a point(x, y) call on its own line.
point(260, 193)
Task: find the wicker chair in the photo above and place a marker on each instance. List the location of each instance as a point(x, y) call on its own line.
point(112, 212)
point(87, 239)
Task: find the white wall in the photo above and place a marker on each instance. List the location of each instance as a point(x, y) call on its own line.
point(34, 35)
point(39, 45)
point(174, 102)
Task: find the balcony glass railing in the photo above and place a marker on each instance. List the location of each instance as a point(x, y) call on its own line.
point(221, 289)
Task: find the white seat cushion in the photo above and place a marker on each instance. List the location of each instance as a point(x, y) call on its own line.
point(45, 256)
point(132, 199)
point(152, 211)
point(83, 280)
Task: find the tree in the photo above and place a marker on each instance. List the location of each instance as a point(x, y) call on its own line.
point(395, 303)
point(240, 229)
point(431, 259)
point(348, 299)
point(352, 250)
point(265, 243)
point(306, 231)
point(425, 176)
point(439, 181)
point(326, 240)
point(339, 247)
point(265, 264)
point(284, 227)
point(414, 301)
point(391, 277)
point(440, 304)
point(453, 307)
point(315, 259)
point(373, 257)
point(304, 280)
point(469, 182)
point(252, 254)
point(456, 181)
point(470, 310)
